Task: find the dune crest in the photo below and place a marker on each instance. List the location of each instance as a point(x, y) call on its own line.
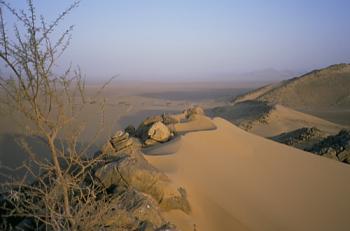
point(255, 184)
point(268, 119)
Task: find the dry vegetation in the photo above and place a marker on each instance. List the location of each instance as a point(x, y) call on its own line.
point(62, 193)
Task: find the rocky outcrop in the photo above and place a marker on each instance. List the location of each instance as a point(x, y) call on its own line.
point(131, 210)
point(124, 165)
point(153, 126)
point(335, 147)
point(159, 132)
point(301, 138)
point(134, 171)
point(132, 194)
point(193, 111)
point(159, 128)
point(121, 142)
point(313, 140)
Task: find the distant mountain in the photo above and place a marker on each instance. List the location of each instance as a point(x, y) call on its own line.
point(324, 88)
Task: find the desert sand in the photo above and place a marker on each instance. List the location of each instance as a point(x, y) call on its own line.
point(239, 181)
point(270, 120)
point(126, 103)
point(235, 180)
point(284, 119)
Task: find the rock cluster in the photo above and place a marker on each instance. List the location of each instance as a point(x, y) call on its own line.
point(132, 193)
point(121, 142)
point(154, 130)
point(300, 135)
point(193, 112)
point(133, 179)
point(159, 128)
point(335, 147)
point(313, 140)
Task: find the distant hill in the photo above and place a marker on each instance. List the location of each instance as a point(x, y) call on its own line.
point(324, 88)
point(324, 93)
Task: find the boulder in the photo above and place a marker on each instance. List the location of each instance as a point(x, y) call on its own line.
point(160, 127)
point(131, 130)
point(170, 119)
point(120, 143)
point(120, 136)
point(134, 171)
point(196, 110)
point(159, 132)
point(152, 119)
point(145, 125)
point(132, 210)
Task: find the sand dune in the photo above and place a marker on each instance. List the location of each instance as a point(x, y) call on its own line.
point(284, 119)
point(270, 120)
point(239, 181)
point(252, 95)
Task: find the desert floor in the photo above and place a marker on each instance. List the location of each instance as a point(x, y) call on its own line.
point(126, 103)
point(235, 180)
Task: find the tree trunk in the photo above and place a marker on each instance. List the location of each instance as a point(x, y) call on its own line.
point(62, 181)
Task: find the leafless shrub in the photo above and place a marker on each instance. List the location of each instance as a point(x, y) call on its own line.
point(63, 194)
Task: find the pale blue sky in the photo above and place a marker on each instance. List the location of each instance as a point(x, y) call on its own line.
point(196, 39)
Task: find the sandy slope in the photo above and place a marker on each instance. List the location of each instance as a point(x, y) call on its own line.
point(284, 119)
point(324, 93)
point(239, 181)
point(270, 120)
point(327, 87)
point(254, 94)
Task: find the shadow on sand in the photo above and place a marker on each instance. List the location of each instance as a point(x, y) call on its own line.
point(13, 154)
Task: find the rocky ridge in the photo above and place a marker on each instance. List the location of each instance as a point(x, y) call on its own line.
point(336, 147)
point(311, 139)
point(301, 138)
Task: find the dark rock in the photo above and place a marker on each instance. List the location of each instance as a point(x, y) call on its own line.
point(131, 130)
point(302, 137)
point(335, 147)
point(159, 132)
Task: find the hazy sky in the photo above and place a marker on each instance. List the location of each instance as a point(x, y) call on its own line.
point(182, 39)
